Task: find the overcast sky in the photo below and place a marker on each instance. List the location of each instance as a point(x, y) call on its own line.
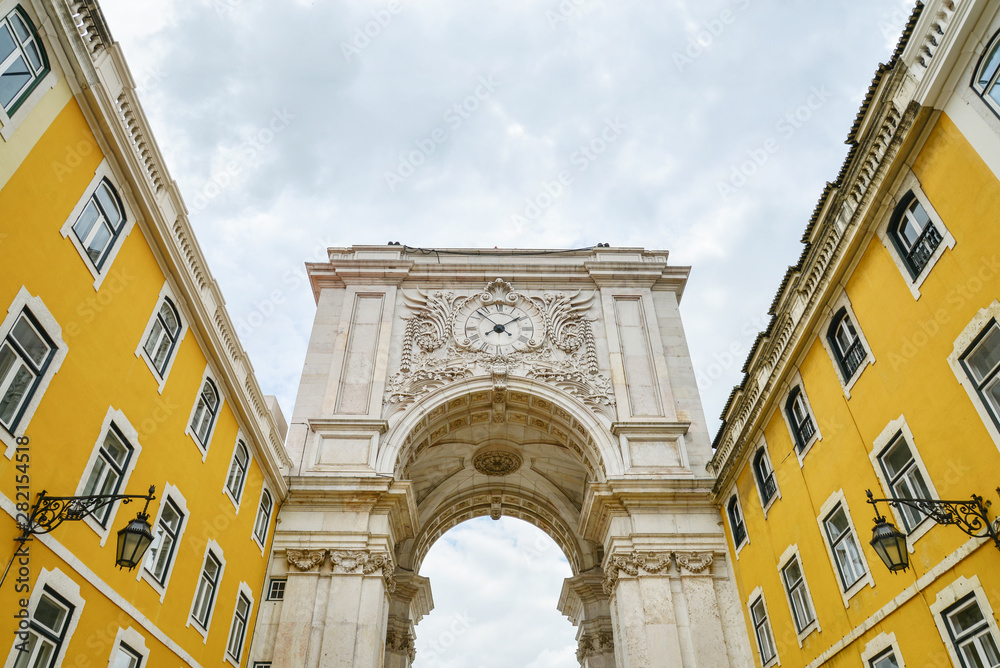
point(291, 126)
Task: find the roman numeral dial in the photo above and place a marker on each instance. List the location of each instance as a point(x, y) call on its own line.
point(500, 328)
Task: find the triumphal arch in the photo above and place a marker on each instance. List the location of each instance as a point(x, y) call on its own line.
point(550, 386)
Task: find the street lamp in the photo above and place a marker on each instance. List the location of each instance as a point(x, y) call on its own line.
point(972, 517)
point(51, 511)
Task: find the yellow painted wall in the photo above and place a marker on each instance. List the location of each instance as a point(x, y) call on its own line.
point(911, 341)
point(102, 330)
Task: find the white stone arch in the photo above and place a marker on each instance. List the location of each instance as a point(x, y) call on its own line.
point(603, 447)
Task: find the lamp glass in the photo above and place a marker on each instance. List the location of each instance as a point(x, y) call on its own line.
point(890, 546)
point(133, 541)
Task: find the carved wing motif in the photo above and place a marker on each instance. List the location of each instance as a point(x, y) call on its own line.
point(565, 322)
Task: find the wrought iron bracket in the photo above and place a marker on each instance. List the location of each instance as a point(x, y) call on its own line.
point(971, 516)
point(51, 511)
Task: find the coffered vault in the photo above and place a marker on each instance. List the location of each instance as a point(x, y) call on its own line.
point(550, 386)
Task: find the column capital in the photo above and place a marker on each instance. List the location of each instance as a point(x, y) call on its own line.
point(634, 564)
point(400, 642)
point(694, 563)
point(364, 562)
point(305, 560)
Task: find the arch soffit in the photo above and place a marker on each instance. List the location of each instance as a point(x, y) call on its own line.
point(600, 444)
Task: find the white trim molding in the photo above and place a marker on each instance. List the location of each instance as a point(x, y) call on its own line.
point(880, 644)
point(953, 593)
point(208, 374)
point(962, 345)
point(829, 506)
point(795, 380)
point(174, 494)
point(9, 124)
point(765, 506)
point(47, 321)
point(140, 351)
point(240, 438)
point(835, 305)
point(734, 494)
point(67, 588)
point(245, 590)
point(758, 593)
point(213, 548)
point(134, 640)
point(131, 436)
point(792, 552)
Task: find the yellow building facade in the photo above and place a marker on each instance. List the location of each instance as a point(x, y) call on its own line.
point(879, 370)
point(119, 369)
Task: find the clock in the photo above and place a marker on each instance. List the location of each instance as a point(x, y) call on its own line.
point(499, 327)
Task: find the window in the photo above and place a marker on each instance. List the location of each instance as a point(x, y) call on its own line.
point(205, 412)
point(847, 347)
point(23, 62)
point(46, 631)
point(762, 629)
point(126, 657)
point(24, 357)
point(844, 545)
point(886, 659)
point(165, 538)
point(765, 476)
point(985, 80)
point(204, 597)
point(238, 471)
point(263, 517)
point(803, 428)
point(982, 364)
point(736, 524)
point(914, 235)
point(971, 635)
point(100, 223)
point(276, 589)
point(798, 596)
point(162, 338)
point(237, 632)
point(108, 470)
point(904, 478)
point(261, 664)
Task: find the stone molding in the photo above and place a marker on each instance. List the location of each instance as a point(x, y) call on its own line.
point(305, 560)
point(364, 562)
point(634, 564)
point(400, 642)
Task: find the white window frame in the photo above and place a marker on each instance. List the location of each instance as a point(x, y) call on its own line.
point(102, 172)
point(839, 499)
point(765, 506)
point(270, 518)
point(9, 124)
point(882, 442)
point(270, 582)
point(243, 590)
point(135, 641)
point(67, 588)
point(790, 553)
point(44, 317)
point(240, 438)
point(905, 183)
point(758, 593)
point(793, 382)
point(842, 302)
point(216, 551)
point(878, 645)
point(131, 435)
point(140, 351)
point(732, 535)
point(174, 494)
point(207, 375)
point(951, 595)
point(962, 343)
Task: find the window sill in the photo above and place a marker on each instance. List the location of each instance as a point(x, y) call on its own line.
point(801, 454)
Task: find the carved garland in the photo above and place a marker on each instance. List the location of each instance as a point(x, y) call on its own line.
point(305, 560)
point(401, 643)
point(649, 563)
point(589, 645)
point(345, 562)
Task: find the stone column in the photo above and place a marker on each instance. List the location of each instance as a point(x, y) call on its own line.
point(354, 627)
point(409, 603)
point(703, 627)
point(642, 610)
point(291, 645)
point(586, 605)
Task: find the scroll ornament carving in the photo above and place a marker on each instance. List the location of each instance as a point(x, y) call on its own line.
point(590, 645)
point(694, 562)
point(305, 560)
point(634, 564)
point(366, 563)
point(401, 643)
point(431, 357)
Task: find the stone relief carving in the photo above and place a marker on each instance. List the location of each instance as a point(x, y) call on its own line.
point(497, 463)
point(401, 643)
point(366, 563)
point(305, 560)
point(590, 645)
point(635, 563)
point(563, 354)
point(693, 562)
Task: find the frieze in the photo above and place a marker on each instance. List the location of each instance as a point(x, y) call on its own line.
point(365, 563)
point(305, 560)
point(635, 564)
point(693, 562)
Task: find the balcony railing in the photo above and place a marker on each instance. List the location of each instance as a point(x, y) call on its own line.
point(853, 358)
point(926, 244)
point(805, 430)
point(739, 534)
point(768, 488)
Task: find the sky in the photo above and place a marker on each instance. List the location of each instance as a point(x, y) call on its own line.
point(705, 128)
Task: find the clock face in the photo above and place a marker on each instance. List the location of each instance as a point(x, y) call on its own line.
point(499, 329)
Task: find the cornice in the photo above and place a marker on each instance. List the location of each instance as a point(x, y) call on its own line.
point(326, 425)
